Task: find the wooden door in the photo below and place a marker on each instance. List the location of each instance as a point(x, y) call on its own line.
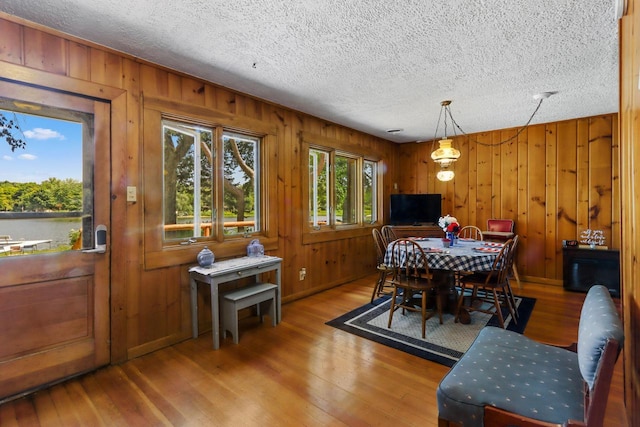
point(54, 304)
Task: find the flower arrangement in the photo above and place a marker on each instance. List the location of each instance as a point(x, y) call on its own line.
point(449, 224)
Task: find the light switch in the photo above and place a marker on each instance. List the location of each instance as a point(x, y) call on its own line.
point(131, 194)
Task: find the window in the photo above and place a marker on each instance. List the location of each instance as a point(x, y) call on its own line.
point(241, 183)
point(188, 180)
point(342, 189)
point(208, 177)
point(46, 197)
point(190, 192)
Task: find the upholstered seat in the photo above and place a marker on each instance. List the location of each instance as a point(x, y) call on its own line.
point(515, 373)
point(528, 380)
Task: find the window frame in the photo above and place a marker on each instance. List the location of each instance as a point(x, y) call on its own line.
point(162, 253)
point(333, 231)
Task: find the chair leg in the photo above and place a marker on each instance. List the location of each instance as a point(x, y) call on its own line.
point(512, 300)
point(463, 288)
point(378, 287)
point(393, 306)
point(512, 297)
point(424, 313)
point(496, 303)
point(514, 270)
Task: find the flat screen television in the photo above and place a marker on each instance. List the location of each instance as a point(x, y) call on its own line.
point(415, 209)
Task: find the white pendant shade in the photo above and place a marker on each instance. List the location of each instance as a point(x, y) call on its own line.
point(445, 175)
point(445, 154)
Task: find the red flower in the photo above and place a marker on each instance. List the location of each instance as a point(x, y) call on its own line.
point(453, 227)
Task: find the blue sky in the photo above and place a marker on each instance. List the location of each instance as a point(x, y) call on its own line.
point(54, 150)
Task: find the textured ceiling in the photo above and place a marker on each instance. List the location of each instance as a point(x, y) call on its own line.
point(372, 65)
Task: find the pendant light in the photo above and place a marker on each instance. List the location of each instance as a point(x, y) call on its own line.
point(446, 154)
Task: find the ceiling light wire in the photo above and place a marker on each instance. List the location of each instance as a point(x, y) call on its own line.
point(501, 142)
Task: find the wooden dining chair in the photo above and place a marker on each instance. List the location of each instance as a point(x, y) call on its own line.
point(411, 278)
point(383, 284)
point(511, 271)
point(470, 232)
point(388, 234)
point(487, 292)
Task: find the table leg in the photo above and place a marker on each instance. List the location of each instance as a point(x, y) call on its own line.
point(278, 295)
point(215, 315)
point(194, 307)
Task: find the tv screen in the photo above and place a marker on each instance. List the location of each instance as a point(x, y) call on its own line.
point(415, 209)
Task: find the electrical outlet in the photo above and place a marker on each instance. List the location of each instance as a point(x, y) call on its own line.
point(131, 194)
point(303, 273)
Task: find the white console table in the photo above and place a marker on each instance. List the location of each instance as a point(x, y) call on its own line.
point(227, 271)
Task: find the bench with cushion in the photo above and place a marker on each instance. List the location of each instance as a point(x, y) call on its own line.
point(508, 379)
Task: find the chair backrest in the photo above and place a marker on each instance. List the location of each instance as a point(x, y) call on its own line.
point(512, 253)
point(408, 259)
point(388, 233)
point(500, 269)
point(470, 232)
point(600, 338)
point(503, 225)
point(379, 244)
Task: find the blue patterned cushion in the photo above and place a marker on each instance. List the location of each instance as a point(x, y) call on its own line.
point(599, 321)
point(512, 372)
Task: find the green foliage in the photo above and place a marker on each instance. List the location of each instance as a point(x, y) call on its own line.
point(8, 128)
point(74, 235)
point(52, 195)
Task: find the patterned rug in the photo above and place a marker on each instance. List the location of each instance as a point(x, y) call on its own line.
point(444, 344)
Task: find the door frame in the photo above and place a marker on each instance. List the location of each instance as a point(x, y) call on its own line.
point(117, 97)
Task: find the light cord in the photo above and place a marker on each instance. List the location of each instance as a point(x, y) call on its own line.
point(501, 142)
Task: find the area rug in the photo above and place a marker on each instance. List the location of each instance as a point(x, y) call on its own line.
point(444, 344)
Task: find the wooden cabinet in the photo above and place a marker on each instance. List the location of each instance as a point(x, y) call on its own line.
point(583, 268)
point(418, 231)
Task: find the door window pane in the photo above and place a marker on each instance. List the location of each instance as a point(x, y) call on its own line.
point(46, 197)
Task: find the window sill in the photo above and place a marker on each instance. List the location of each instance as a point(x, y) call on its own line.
point(328, 235)
point(171, 256)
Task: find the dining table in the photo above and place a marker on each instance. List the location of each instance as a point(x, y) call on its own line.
point(465, 255)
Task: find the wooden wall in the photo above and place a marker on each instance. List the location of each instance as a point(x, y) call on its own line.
point(554, 180)
point(150, 307)
point(630, 183)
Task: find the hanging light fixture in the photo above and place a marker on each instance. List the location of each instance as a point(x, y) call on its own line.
point(446, 154)
point(445, 175)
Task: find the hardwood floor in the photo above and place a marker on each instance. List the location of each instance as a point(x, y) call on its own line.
point(300, 373)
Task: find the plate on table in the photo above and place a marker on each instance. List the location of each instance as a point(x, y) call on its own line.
point(419, 239)
point(466, 240)
point(433, 250)
point(494, 244)
point(487, 250)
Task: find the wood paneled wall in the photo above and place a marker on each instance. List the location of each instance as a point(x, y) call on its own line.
point(554, 180)
point(630, 183)
point(150, 308)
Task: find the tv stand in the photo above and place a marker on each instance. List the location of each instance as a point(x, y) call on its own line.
point(583, 268)
point(418, 230)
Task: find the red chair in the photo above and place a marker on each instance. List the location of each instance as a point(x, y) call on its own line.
point(501, 230)
point(500, 226)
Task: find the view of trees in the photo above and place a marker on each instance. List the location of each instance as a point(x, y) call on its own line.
point(190, 191)
point(52, 195)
